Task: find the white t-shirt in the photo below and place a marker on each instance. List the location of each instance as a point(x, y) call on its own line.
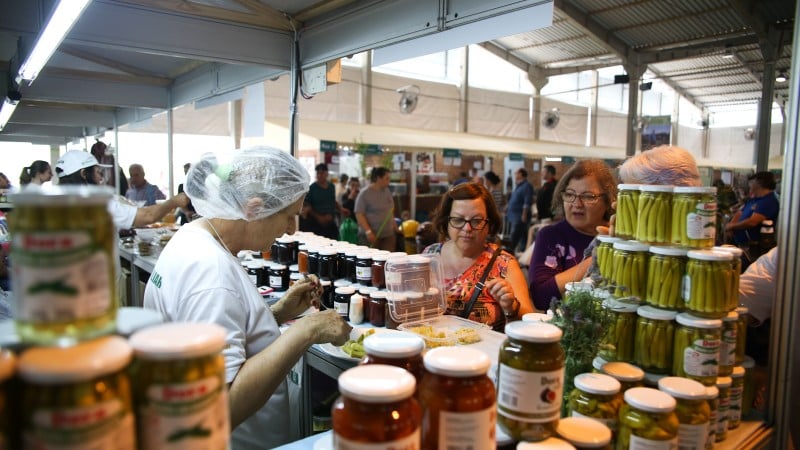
point(197, 280)
point(757, 285)
point(122, 212)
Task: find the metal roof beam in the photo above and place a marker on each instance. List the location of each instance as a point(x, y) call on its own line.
point(28, 113)
point(21, 129)
point(593, 27)
point(676, 87)
point(71, 89)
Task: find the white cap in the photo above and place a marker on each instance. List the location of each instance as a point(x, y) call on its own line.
point(377, 383)
point(75, 160)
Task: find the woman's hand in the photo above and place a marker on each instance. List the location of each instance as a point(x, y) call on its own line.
point(327, 326)
point(502, 291)
point(302, 295)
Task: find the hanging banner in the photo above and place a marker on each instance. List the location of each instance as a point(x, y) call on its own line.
point(515, 156)
point(328, 146)
point(451, 153)
point(656, 131)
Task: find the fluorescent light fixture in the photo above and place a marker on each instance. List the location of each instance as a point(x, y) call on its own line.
point(552, 159)
point(64, 17)
point(782, 77)
point(7, 109)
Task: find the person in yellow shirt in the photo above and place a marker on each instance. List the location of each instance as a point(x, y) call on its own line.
point(408, 228)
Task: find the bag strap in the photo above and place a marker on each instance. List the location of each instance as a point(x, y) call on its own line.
point(476, 292)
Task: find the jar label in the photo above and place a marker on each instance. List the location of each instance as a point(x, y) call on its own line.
point(60, 277)
point(610, 423)
point(524, 392)
point(735, 404)
point(701, 224)
point(275, 282)
point(470, 430)
point(410, 442)
point(692, 436)
point(185, 416)
point(640, 443)
point(342, 308)
point(105, 426)
point(727, 349)
point(701, 359)
point(364, 273)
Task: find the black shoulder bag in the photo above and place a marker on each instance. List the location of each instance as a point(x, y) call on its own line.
point(476, 292)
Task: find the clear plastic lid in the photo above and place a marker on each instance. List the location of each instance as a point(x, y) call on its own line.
point(408, 279)
point(651, 312)
point(538, 332)
point(82, 362)
point(649, 399)
point(459, 362)
point(631, 246)
point(377, 383)
point(584, 432)
point(689, 320)
point(394, 344)
point(668, 251)
point(8, 364)
point(551, 443)
point(738, 372)
point(683, 388)
point(597, 383)
point(724, 382)
point(623, 371)
point(709, 255)
point(178, 340)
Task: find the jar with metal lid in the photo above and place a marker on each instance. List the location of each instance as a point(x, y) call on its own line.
point(628, 375)
point(627, 211)
point(749, 392)
point(596, 396)
point(351, 259)
point(584, 433)
point(655, 214)
point(727, 347)
point(707, 284)
point(302, 258)
point(179, 385)
point(605, 255)
point(458, 399)
point(64, 248)
point(712, 396)
point(364, 268)
point(8, 366)
point(692, 409)
point(327, 294)
point(284, 250)
point(377, 269)
point(736, 395)
point(647, 420)
point(251, 267)
point(326, 266)
point(341, 300)
point(694, 216)
point(630, 270)
point(389, 320)
point(78, 396)
point(655, 333)
point(696, 348)
point(531, 361)
point(396, 348)
point(294, 277)
point(377, 308)
point(665, 270)
point(723, 407)
point(273, 251)
point(736, 269)
point(279, 277)
point(617, 341)
point(741, 332)
point(376, 409)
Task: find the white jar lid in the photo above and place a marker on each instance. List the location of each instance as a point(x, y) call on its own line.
point(62, 195)
point(632, 246)
point(178, 340)
point(738, 372)
point(346, 290)
point(584, 432)
point(684, 388)
point(377, 383)
point(327, 251)
point(697, 322)
point(709, 255)
point(656, 188)
point(748, 362)
point(628, 187)
point(367, 289)
point(551, 443)
point(695, 190)
point(352, 251)
point(380, 256)
point(278, 267)
point(732, 316)
point(457, 361)
point(535, 317)
point(597, 383)
point(295, 276)
point(607, 238)
point(723, 382)
point(325, 282)
point(419, 259)
point(8, 364)
point(623, 371)
point(618, 306)
point(82, 362)
point(735, 251)
point(284, 239)
point(294, 268)
point(742, 310)
point(668, 251)
point(538, 332)
point(341, 283)
point(598, 362)
point(711, 392)
point(378, 294)
point(651, 312)
point(394, 344)
point(649, 399)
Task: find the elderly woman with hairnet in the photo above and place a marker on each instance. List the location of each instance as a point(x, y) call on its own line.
point(247, 199)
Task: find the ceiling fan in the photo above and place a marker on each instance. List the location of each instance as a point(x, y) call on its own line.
point(408, 98)
point(551, 118)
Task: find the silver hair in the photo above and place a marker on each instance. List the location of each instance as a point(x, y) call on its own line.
point(665, 164)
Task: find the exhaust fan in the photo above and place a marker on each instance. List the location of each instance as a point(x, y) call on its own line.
point(749, 134)
point(551, 118)
point(408, 98)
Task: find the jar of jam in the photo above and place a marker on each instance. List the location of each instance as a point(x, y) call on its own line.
point(531, 360)
point(350, 263)
point(736, 395)
point(723, 407)
point(313, 259)
point(391, 320)
point(364, 268)
point(584, 433)
point(327, 294)
point(377, 308)
point(341, 300)
point(366, 293)
point(727, 347)
point(628, 375)
point(294, 249)
point(302, 258)
point(696, 347)
point(284, 250)
point(341, 261)
point(294, 277)
point(596, 396)
point(251, 267)
point(647, 420)
point(377, 409)
point(273, 251)
point(279, 277)
point(692, 410)
point(326, 268)
point(396, 348)
point(377, 270)
point(458, 399)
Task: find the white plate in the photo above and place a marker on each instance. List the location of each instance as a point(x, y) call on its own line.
point(337, 352)
point(324, 443)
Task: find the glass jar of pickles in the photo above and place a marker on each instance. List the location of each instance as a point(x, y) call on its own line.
point(64, 248)
point(627, 210)
point(179, 386)
point(396, 348)
point(723, 407)
point(736, 396)
point(596, 396)
point(741, 332)
point(749, 392)
point(628, 375)
point(376, 409)
point(694, 216)
point(707, 284)
point(696, 348)
point(617, 341)
point(79, 396)
point(584, 433)
point(655, 333)
point(630, 270)
point(727, 347)
point(712, 396)
point(665, 270)
point(736, 269)
point(692, 409)
point(531, 360)
point(605, 252)
point(647, 420)
point(655, 214)
point(8, 365)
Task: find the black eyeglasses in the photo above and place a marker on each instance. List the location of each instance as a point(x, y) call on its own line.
point(475, 224)
point(586, 199)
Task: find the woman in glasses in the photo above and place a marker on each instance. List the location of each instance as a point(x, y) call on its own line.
point(584, 195)
point(467, 221)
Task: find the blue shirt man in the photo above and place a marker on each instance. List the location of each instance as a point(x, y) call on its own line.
point(518, 210)
point(762, 205)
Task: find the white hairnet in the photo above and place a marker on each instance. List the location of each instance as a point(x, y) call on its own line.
point(250, 184)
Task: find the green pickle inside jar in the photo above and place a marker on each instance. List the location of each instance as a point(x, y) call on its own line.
point(648, 415)
point(655, 333)
point(596, 396)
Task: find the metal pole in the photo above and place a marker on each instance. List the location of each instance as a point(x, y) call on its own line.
point(169, 143)
point(294, 89)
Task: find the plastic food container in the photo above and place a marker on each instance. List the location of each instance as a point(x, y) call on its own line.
point(707, 284)
point(618, 340)
point(409, 280)
point(596, 396)
point(605, 252)
point(630, 270)
point(445, 331)
point(693, 411)
point(627, 217)
point(655, 214)
point(696, 348)
point(655, 333)
point(694, 216)
point(647, 420)
point(727, 348)
point(665, 270)
point(584, 433)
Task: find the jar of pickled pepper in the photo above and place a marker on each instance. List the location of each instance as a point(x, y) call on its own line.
point(79, 396)
point(708, 283)
point(396, 348)
point(741, 333)
point(596, 396)
point(655, 214)
point(627, 211)
point(458, 399)
point(727, 347)
point(180, 387)
point(692, 409)
point(736, 270)
point(376, 409)
point(694, 216)
point(665, 269)
point(655, 333)
point(618, 339)
point(630, 270)
point(605, 251)
point(531, 360)
point(584, 433)
point(723, 407)
point(736, 396)
point(712, 396)
point(628, 375)
point(696, 348)
point(647, 420)
point(64, 248)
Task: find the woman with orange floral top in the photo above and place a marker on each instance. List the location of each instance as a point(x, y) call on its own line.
point(465, 220)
